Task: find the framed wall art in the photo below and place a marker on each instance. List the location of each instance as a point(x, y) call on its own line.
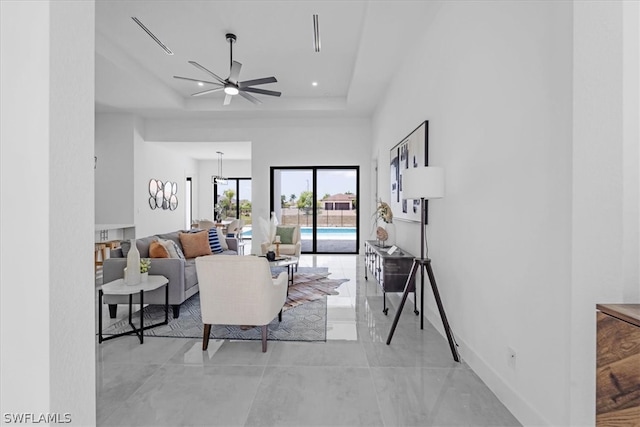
point(411, 152)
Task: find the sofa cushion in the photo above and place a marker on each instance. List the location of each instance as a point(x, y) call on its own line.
point(214, 241)
point(223, 240)
point(190, 274)
point(142, 245)
point(173, 248)
point(158, 250)
point(195, 244)
point(286, 234)
point(174, 237)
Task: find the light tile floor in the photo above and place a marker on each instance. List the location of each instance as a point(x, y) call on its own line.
point(353, 379)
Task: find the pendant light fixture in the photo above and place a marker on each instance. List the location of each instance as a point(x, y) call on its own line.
point(219, 179)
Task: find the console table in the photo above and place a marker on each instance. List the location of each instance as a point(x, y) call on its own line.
point(390, 270)
point(618, 364)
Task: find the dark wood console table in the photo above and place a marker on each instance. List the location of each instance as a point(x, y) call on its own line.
point(618, 365)
point(391, 271)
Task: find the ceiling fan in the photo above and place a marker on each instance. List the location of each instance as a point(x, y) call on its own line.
point(231, 86)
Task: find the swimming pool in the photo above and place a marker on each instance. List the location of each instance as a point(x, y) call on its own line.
point(324, 233)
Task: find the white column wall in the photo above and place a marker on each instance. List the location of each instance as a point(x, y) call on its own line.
point(605, 181)
point(494, 81)
point(71, 188)
point(25, 159)
point(631, 151)
point(47, 364)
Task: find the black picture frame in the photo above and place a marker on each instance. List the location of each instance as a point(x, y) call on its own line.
point(411, 152)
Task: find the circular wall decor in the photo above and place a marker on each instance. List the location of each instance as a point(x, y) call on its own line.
point(153, 187)
point(163, 194)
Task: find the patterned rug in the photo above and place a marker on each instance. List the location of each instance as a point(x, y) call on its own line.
point(304, 316)
point(309, 287)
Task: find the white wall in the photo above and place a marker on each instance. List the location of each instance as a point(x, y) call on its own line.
point(155, 162)
point(114, 168)
point(631, 149)
point(282, 142)
point(605, 180)
point(47, 350)
point(204, 193)
point(494, 81)
point(126, 163)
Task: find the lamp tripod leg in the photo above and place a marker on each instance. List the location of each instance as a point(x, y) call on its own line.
point(407, 289)
point(443, 316)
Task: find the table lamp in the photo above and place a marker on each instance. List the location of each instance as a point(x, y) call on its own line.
point(424, 183)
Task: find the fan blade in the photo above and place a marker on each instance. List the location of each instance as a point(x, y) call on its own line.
point(204, 92)
point(256, 82)
point(227, 99)
point(249, 97)
point(196, 80)
point(200, 67)
point(235, 72)
point(261, 91)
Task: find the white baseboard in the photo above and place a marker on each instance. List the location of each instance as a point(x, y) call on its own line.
point(519, 407)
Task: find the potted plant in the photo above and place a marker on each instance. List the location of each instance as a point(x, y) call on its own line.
point(145, 265)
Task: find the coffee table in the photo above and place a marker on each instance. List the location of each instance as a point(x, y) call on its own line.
point(118, 287)
point(286, 261)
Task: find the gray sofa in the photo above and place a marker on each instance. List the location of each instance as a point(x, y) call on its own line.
point(183, 280)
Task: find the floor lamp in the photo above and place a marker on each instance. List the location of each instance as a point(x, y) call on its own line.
point(423, 183)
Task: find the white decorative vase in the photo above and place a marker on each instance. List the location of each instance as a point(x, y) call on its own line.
point(132, 275)
point(273, 226)
point(391, 233)
point(144, 276)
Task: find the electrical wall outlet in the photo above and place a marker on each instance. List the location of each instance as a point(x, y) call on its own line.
point(511, 357)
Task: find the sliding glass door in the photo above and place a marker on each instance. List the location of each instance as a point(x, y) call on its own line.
point(233, 199)
point(323, 201)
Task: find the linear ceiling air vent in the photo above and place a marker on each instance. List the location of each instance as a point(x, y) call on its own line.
point(153, 36)
point(316, 34)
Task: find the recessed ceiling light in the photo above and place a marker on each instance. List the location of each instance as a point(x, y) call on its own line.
point(314, 84)
point(200, 84)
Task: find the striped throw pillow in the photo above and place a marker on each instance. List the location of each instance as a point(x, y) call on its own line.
point(214, 241)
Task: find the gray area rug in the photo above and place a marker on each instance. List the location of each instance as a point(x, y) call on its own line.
point(303, 322)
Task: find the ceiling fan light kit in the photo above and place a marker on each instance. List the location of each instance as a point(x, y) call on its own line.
point(231, 86)
point(231, 90)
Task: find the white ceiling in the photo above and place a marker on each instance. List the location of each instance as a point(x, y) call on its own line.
point(363, 43)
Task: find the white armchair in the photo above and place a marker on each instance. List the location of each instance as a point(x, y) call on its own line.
point(239, 291)
point(292, 247)
point(234, 228)
point(205, 224)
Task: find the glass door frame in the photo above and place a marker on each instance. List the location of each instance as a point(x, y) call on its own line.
point(314, 174)
point(237, 190)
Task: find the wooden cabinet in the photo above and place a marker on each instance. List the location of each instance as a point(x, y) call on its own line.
point(391, 271)
point(618, 365)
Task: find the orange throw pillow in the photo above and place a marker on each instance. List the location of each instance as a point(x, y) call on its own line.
point(158, 250)
point(195, 244)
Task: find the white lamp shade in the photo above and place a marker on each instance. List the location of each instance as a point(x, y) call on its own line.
point(427, 182)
